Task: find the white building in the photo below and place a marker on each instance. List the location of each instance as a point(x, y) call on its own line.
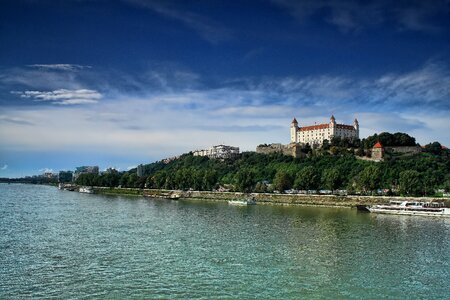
point(316, 134)
point(219, 151)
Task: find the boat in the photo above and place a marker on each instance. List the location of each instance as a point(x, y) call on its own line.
point(174, 196)
point(85, 189)
point(242, 202)
point(412, 208)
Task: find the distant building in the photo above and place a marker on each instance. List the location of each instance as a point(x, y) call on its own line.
point(316, 134)
point(378, 152)
point(48, 175)
point(110, 171)
point(140, 170)
point(169, 159)
point(65, 176)
point(85, 170)
point(218, 151)
point(294, 150)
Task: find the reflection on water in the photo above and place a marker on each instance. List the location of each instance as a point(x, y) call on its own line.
point(63, 244)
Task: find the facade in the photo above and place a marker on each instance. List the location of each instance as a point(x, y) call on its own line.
point(218, 151)
point(294, 150)
point(316, 134)
point(85, 170)
point(140, 170)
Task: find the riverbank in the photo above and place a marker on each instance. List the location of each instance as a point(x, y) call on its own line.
point(264, 198)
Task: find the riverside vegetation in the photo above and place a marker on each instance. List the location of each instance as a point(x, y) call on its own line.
point(332, 167)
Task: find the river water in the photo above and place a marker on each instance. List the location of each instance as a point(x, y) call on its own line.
point(60, 244)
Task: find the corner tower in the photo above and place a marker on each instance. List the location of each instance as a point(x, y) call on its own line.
point(294, 130)
point(332, 126)
point(356, 126)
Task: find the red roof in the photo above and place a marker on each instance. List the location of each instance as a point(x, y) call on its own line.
point(314, 127)
point(378, 145)
point(342, 126)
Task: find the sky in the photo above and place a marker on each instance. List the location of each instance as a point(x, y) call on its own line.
point(119, 83)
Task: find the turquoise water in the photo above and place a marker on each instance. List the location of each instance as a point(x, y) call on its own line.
point(59, 244)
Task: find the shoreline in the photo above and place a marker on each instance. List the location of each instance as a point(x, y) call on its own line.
point(265, 198)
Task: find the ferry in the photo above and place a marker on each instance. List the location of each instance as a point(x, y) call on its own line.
point(242, 202)
point(413, 208)
point(85, 189)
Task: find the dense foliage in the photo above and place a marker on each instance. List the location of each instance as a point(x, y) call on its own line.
point(420, 174)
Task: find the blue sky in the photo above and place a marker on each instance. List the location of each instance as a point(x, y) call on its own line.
point(118, 83)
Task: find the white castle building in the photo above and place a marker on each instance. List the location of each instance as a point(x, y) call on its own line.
point(219, 151)
point(316, 134)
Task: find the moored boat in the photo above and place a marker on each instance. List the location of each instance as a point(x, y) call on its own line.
point(242, 202)
point(86, 189)
point(413, 208)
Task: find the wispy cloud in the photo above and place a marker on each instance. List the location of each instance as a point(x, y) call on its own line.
point(14, 120)
point(4, 167)
point(60, 67)
point(46, 170)
point(355, 16)
point(63, 96)
point(207, 28)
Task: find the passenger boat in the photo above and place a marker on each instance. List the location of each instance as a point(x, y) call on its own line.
point(85, 189)
point(242, 202)
point(415, 208)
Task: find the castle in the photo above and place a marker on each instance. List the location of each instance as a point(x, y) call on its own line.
point(316, 134)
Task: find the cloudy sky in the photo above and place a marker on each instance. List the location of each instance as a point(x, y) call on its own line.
point(118, 83)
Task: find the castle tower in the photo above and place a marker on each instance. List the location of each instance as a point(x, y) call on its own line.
point(332, 126)
point(294, 130)
point(356, 126)
point(378, 152)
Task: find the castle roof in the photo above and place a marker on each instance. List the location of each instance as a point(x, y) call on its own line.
point(378, 145)
point(314, 127)
point(343, 126)
point(294, 121)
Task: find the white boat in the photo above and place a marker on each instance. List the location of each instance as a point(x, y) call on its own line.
point(414, 208)
point(242, 202)
point(86, 189)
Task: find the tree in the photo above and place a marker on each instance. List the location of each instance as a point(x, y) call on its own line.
point(132, 180)
point(410, 183)
point(434, 148)
point(282, 181)
point(331, 179)
point(124, 180)
point(261, 187)
point(245, 180)
point(370, 178)
point(307, 179)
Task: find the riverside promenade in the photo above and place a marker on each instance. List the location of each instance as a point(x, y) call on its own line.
point(265, 198)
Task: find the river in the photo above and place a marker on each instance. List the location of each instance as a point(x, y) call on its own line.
point(60, 244)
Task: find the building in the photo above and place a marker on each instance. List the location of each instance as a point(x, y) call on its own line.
point(85, 170)
point(316, 134)
point(140, 170)
point(377, 152)
point(219, 151)
point(294, 150)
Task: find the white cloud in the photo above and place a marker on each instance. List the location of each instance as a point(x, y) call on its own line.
point(59, 67)
point(4, 167)
point(243, 113)
point(63, 96)
point(355, 16)
point(46, 170)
